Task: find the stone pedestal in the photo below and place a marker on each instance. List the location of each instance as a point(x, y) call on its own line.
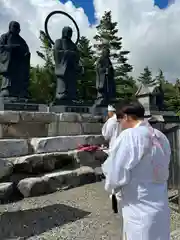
point(70, 108)
point(13, 105)
point(24, 124)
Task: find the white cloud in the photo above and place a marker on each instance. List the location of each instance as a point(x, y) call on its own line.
point(152, 35)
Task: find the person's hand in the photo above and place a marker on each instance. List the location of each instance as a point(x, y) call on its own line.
point(107, 117)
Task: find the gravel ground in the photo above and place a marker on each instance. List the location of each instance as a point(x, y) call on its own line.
point(81, 213)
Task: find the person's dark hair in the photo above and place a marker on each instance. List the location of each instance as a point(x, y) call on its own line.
point(133, 109)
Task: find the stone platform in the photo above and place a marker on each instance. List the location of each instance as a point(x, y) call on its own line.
point(23, 124)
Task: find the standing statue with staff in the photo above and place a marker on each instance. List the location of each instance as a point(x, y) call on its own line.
point(67, 62)
point(105, 83)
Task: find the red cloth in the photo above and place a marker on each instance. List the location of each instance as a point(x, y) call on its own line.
point(88, 148)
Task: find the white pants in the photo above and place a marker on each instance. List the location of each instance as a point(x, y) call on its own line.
point(122, 235)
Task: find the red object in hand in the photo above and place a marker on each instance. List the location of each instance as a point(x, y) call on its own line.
point(88, 148)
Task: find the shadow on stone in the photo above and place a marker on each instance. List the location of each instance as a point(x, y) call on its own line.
point(31, 222)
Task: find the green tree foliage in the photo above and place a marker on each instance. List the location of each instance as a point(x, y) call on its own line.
point(146, 77)
point(87, 81)
point(160, 77)
point(42, 79)
point(107, 37)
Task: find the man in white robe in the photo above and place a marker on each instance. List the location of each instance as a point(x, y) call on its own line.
point(111, 129)
point(138, 166)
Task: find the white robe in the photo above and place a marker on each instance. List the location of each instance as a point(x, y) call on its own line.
point(138, 166)
point(111, 130)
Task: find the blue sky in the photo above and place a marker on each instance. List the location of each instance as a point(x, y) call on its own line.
point(87, 5)
point(163, 3)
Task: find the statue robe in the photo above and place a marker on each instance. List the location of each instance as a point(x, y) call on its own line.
point(138, 167)
point(105, 83)
point(66, 68)
point(14, 65)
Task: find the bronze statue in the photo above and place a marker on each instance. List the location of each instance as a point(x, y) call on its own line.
point(66, 56)
point(14, 63)
point(105, 83)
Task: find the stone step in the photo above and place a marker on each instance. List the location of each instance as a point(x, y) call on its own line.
point(47, 162)
point(13, 147)
point(6, 190)
point(64, 143)
point(21, 147)
point(59, 180)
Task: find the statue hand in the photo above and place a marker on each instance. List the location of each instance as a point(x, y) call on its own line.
point(15, 45)
point(26, 54)
point(82, 70)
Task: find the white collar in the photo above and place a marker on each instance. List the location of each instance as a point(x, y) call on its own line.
point(138, 124)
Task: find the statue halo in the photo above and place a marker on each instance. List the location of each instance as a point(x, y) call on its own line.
point(62, 13)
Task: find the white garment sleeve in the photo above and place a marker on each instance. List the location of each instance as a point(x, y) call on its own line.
point(123, 157)
point(108, 129)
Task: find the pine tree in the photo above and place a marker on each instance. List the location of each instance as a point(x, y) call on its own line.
point(107, 37)
point(146, 77)
point(47, 50)
point(42, 80)
point(86, 82)
point(160, 77)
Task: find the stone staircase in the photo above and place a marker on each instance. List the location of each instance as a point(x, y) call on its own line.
point(38, 152)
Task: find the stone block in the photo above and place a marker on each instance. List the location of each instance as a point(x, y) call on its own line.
point(64, 143)
point(34, 186)
point(13, 147)
point(69, 117)
point(89, 118)
point(9, 117)
point(45, 162)
point(43, 117)
point(92, 159)
point(92, 128)
point(23, 130)
point(58, 180)
point(6, 190)
point(64, 129)
point(6, 168)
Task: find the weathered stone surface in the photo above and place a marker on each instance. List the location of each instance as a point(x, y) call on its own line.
point(92, 128)
point(9, 117)
point(69, 117)
point(64, 129)
point(6, 168)
point(24, 130)
point(100, 156)
point(89, 118)
point(6, 190)
point(57, 181)
point(33, 186)
point(45, 162)
point(64, 143)
point(45, 117)
point(13, 147)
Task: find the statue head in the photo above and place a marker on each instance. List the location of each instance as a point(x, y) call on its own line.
point(14, 27)
point(67, 32)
